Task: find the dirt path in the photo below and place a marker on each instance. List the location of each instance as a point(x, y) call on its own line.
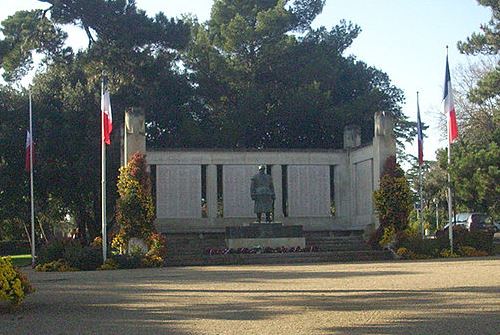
point(425, 297)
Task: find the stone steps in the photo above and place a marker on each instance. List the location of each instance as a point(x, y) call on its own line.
point(281, 258)
point(190, 249)
point(337, 243)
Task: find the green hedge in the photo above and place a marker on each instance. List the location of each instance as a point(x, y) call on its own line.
point(479, 240)
point(14, 248)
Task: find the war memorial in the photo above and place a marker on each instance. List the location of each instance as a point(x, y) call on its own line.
point(205, 195)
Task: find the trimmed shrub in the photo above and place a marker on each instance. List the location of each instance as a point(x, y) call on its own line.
point(68, 255)
point(479, 240)
point(83, 258)
point(54, 250)
point(465, 243)
point(413, 241)
point(127, 261)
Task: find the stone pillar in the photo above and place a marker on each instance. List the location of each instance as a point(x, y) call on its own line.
point(135, 133)
point(384, 144)
point(352, 136)
point(212, 190)
point(278, 190)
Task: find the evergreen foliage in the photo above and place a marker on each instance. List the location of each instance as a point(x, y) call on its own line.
point(134, 208)
point(393, 201)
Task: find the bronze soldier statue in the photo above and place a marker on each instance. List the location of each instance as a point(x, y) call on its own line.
point(262, 192)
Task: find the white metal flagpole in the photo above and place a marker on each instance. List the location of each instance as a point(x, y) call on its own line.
point(33, 241)
point(103, 179)
point(420, 219)
point(450, 205)
point(447, 106)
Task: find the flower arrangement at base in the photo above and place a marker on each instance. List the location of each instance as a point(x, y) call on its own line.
point(259, 250)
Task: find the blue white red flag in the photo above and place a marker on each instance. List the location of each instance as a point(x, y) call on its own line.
point(107, 120)
point(449, 106)
point(29, 150)
point(420, 137)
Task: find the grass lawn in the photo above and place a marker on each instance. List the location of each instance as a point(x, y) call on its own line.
point(21, 260)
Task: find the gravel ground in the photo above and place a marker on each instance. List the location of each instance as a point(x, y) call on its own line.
point(423, 297)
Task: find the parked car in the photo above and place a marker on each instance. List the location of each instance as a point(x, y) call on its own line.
point(473, 222)
point(496, 225)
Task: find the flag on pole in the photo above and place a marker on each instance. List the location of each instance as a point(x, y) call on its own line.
point(420, 137)
point(29, 144)
point(449, 106)
point(107, 120)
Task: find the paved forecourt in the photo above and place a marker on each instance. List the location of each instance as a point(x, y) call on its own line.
point(423, 297)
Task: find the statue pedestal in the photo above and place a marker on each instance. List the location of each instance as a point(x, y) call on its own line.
point(264, 235)
point(256, 223)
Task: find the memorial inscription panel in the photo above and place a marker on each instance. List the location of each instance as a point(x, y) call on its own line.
point(309, 190)
point(178, 191)
point(363, 187)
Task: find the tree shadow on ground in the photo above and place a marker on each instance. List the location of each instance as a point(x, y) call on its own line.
point(483, 323)
point(161, 301)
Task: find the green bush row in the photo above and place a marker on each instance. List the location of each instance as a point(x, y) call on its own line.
point(14, 248)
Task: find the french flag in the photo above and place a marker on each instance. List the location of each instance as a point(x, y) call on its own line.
point(449, 106)
point(420, 137)
point(107, 119)
point(29, 150)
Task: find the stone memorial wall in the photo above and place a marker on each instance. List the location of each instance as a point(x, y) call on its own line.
point(303, 194)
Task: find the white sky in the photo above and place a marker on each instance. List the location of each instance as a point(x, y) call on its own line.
point(404, 38)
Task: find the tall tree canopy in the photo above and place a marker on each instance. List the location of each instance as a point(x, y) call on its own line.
point(475, 167)
point(487, 42)
point(265, 78)
point(256, 75)
point(140, 65)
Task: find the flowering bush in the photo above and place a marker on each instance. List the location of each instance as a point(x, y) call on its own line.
point(389, 236)
point(14, 285)
point(446, 253)
point(110, 264)
point(471, 252)
point(157, 244)
point(152, 261)
point(118, 243)
point(55, 266)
